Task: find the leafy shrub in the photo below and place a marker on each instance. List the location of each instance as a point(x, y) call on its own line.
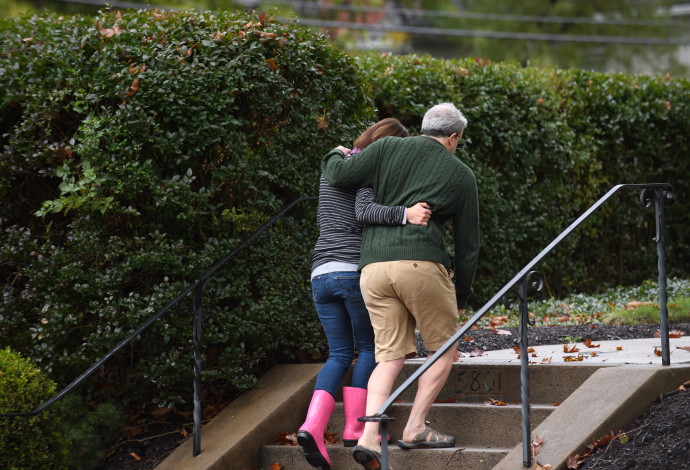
point(545, 145)
point(137, 150)
point(86, 428)
point(33, 442)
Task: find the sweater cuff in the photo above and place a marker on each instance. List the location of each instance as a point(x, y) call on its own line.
point(462, 301)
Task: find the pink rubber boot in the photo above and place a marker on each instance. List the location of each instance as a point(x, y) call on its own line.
point(355, 406)
point(310, 434)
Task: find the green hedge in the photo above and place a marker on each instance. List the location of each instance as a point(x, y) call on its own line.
point(137, 150)
point(545, 145)
point(33, 442)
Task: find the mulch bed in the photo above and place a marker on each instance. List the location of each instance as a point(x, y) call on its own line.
point(658, 439)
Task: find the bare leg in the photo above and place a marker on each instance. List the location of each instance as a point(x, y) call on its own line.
point(379, 389)
point(429, 385)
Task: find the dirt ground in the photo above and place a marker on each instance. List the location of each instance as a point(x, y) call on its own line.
point(658, 439)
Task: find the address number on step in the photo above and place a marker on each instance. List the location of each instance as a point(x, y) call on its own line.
point(480, 381)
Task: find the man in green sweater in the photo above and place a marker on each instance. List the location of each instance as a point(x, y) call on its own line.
point(406, 272)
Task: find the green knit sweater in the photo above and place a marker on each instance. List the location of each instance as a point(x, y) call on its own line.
point(403, 172)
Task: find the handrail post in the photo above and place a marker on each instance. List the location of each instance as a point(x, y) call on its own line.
point(524, 323)
point(383, 430)
point(382, 419)
point(524, 371)
point(198, 291)
point(660, 194)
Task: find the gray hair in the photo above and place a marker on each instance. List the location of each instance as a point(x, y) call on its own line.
point(443, 120)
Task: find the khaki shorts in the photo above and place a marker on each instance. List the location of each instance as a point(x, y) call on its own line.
point(400, 294)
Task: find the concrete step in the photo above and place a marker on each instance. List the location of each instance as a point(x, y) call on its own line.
point(629, 379)
point(472, 424)
point(477, 382)
point(291, 458)
point(484, 433)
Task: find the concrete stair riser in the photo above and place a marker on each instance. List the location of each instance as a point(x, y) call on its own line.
point(473, 425)
point(470, 383)
point(290, 458)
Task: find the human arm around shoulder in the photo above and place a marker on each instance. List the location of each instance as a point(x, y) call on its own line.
point(466, 236)
point(371, 213)
point(358, 171)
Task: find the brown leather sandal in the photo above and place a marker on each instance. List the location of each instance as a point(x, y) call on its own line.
point(428, 438)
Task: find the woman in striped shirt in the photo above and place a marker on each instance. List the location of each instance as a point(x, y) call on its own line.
point(341, 216)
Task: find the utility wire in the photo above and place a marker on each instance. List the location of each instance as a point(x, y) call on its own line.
point(119, 4)
point(380, 27)
point(481, 16)
point(432, 31)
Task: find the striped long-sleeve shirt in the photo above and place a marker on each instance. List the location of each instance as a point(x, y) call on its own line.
point(341, 216)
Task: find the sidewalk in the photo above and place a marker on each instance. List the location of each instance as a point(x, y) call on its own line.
point(630, 351)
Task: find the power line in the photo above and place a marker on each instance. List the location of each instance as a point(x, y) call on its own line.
point(433, 31)
point(480, 16)
point(379, 27)
point(118, 4)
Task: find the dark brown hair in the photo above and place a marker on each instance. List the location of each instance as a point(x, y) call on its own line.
point(384, 128)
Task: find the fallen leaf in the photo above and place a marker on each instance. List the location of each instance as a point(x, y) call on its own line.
point(502, 332)
point(476, 352)
point(109, 32)
point(619, 348)
point(276, 466)
point(135, 456)
point(635, 304)
point(657, 351)
point(271, 64)
point(572, 461)
point(594, 354)
point(160, 413)
point(675, 333)
point(494, 402)
point(131, 431)
point(546, 360)
point(556, 404)
point(469, 339)
point(579, 358)
point(329, 437)
point(286, 439)
point(588, 343)
point(570, 348)
point(321, 125)
point(133, 88)
point(498, 321)
point(536, 445)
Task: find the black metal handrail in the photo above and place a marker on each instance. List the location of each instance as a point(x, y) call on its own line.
point(197, 286)
point(661, 191)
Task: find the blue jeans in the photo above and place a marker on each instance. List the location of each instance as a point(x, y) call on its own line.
point(345, 318)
